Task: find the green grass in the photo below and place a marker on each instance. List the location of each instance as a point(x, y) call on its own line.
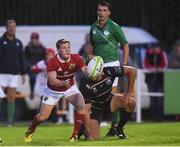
point(154, 134)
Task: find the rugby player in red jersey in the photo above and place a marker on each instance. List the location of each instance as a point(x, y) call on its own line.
point(61, 69)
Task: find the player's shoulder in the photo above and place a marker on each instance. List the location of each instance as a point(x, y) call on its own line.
point(53, 60)
point(86, 83)
point(94, 24)
point(76, 56)
point(113, 23)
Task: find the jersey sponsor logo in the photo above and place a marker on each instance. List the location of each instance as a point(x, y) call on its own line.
point(72, 66)
point(106, 32)
point(66, 74)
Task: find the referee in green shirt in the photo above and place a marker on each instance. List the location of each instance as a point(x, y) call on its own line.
point(106, 36)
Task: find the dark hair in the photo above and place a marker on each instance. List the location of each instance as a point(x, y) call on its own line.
point(105, 3)
point(60, 42)
point(10, 21)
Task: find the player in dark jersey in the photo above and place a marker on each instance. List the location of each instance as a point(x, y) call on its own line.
point(99, 99)
point(61, 69)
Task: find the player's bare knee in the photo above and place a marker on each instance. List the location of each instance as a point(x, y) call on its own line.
point(43, 117)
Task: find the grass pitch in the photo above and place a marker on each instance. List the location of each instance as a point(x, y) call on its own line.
point(153, 134)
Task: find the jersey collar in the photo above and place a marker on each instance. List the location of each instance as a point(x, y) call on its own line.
point(106, 23)
point(61, 60)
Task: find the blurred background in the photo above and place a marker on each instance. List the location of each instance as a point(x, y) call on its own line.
point(146, 24)
point(159, 17)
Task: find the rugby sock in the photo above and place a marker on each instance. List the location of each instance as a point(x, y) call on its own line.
point(79, 120)
point(85, 132)
point(125, 116)
point(34, 124)
point(115, 119)
point(10, 111)
point(81, 130)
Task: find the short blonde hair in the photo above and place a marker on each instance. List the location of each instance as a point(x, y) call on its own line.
point(60, 42)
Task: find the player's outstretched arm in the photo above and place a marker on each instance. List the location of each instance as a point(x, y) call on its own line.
point(128, 97)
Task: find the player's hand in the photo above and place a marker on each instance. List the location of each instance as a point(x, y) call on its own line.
point(84, 70)
point(128, 95)
point(128, 102)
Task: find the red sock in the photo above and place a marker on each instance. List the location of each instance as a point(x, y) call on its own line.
point(79, 120)
point(34, 124)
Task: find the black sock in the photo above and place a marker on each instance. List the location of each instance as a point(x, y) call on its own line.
point(113, 125)
point(81, 131)
point(125, 116)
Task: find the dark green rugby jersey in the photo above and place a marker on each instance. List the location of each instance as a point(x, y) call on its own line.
point(105, 41)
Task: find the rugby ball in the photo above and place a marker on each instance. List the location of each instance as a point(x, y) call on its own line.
point(95, 67)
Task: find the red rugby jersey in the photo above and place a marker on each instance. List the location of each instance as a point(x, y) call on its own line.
point(65, 70)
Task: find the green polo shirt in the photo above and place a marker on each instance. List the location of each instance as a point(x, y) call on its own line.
point(105, 41)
